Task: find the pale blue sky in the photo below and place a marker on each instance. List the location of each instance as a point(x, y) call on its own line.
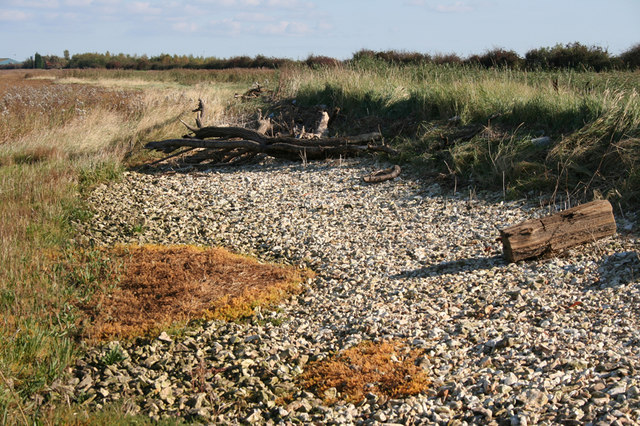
point(297, 28)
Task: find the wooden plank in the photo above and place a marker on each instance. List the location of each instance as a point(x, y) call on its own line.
point(553, 234)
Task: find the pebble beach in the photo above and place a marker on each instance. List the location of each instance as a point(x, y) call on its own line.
point(553, 341)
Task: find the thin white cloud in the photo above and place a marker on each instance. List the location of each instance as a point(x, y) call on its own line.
point(289, 4)
point(13, 15)
point(185, 27)
point(254, 17)
point(443, 7)
point(62, 17)
point(36, 4)
point(457, 7)
point(227, 27)
point(287, 28)
point(144, 8)
point(227, 3)
point(78, 2)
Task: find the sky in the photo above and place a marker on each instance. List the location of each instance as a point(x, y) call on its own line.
point(299, 28)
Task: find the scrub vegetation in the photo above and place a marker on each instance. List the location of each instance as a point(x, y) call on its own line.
point(551, 133)
point(522, 132)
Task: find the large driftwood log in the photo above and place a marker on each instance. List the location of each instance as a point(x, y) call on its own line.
point(232, 144)
point(315, 148)
point(226, 139)
point(553, 234)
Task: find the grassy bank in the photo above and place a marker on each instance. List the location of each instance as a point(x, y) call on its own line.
point(60, 134)
point(485, 126)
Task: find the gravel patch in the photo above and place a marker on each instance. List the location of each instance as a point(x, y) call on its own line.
point(543, 341)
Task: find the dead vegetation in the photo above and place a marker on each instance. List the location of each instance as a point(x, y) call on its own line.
point(387, 369)
point(160, 285)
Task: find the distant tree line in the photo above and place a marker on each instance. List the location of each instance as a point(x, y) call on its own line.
point(568, 56)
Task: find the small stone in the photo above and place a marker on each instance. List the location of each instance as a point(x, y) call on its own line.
point(633, 392)
point(197, 401)
point(533, 398)
point(85, 383)
point(164, 337)
point(252, 339)
point(331, 393)
point(510, 379)
point(151, 361)
point(380, 417)
point(165, 394)
point(618, 390)
point(282, 412)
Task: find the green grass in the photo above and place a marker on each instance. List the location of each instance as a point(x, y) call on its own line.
point(591, 118)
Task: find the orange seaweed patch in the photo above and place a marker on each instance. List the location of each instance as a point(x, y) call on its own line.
point(160, 285)
point(387, 368)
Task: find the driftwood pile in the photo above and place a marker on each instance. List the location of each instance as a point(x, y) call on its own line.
point(234, 145)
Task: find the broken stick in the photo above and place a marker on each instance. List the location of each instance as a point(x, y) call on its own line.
point(553, 234)
point(382, 175)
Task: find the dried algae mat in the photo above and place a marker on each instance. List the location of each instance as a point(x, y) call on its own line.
point(161, 285)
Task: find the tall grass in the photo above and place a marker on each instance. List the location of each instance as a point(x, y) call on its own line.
point(56, 141)
point(578, 111)
point(604, 155)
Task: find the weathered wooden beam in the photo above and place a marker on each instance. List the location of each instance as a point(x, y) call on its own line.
point(553, 234)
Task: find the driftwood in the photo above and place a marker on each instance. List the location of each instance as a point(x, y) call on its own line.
point(253, 92)
point(382, 175)
point(264, 124)
point(553, 234)
point(200, 111)
point(231, 144)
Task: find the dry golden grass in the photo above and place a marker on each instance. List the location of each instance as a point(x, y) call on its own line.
point(160, 285)
point(387, 369)
point(57, 139)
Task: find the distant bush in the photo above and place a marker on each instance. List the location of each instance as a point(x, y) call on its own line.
point(569, 56)
point(631, 58)
point(446, 59)
point(497, 58)
point(88, 60)
point(321, 61)
point(401, 57)
point(363, 54)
